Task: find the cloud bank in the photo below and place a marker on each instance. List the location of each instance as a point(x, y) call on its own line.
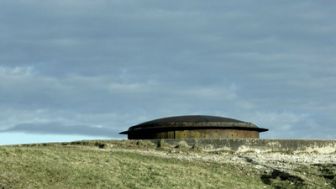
point(96, 68)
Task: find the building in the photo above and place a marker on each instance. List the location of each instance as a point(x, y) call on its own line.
point(194, 126)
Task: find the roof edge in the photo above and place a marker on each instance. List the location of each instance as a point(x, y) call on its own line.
point(163, 129)
point(124, 132)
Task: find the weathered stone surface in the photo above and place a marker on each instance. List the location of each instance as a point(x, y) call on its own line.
point(263, 145)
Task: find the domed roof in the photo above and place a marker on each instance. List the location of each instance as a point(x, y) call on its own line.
point(193, 122)
point(191, 118)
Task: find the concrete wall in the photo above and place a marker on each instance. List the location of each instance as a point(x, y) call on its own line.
point(258, 145)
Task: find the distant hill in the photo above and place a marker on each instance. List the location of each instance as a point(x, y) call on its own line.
point(145, 164)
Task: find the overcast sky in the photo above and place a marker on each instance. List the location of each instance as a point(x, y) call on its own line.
point(90, 69)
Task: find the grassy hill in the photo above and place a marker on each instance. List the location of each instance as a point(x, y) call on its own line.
point(142, 164)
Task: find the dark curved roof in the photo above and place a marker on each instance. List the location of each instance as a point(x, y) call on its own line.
point(191, 118)
point(193, 122)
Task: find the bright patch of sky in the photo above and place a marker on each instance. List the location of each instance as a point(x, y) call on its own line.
point(24, 138)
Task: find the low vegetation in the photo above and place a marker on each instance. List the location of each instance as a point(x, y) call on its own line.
point(143, 164)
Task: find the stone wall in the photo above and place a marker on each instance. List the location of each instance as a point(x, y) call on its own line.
point(195, 133)
point(260, 145)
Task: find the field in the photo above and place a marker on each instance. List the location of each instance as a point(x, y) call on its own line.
point(143, 164)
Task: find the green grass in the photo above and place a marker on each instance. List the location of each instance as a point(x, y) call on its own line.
point(60, 166)
point(117, 165)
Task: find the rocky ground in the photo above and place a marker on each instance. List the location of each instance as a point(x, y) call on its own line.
point(278, 169)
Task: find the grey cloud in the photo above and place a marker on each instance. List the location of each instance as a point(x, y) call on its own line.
point(151, 59)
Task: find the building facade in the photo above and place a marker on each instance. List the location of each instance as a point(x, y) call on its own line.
point(194, 126)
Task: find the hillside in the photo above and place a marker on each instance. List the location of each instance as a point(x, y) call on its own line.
point(144, 164)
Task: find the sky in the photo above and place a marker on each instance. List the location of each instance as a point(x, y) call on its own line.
point(83, 69)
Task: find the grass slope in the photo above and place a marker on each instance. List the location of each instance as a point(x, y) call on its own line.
point(122, 165)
